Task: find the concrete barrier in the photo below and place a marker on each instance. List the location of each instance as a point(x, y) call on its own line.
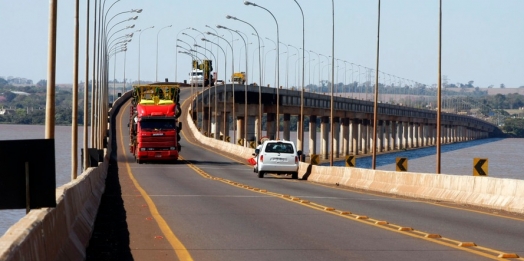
point(493, 193)
point(487, 192)
point(61, 233)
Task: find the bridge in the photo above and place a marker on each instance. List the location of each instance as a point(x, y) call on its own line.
point(399, 127)
point(210, 206)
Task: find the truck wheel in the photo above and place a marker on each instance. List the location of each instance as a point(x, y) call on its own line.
point(294, 175)
point(260, 174)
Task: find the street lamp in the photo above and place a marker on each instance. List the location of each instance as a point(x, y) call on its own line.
point(156, 77)
point(176, 55)
point(139, 35)
point(301, 129)
point(278, 69)
point(232, 70)
point(225, 76)
point(245, 83)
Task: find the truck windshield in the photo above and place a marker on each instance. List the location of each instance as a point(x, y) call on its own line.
point(157, 124)
point(197, 74)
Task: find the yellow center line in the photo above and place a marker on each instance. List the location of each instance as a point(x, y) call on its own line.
point(178, 246)
point(408, 231)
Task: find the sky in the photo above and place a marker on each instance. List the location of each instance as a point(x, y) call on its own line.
point(482, 40)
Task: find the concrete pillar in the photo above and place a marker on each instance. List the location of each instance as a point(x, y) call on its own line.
point(258, 126)
point(240, 128)
point(394, 135)
point(364, 136)
point(418, 135)
point(387, 135)
point(286, 133)
point(217, 126)
point(354, 136)
point(400, 135)
point(380, 136)
point(227, 134)
point(251, 128)
point(312, 134)
point(270, 126)
point(300, 144)
point(324, 134)
point(336, 137)
point(345, 136)
point(205, 122)
point(411, 135)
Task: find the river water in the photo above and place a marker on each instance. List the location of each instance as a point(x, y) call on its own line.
point(504, 158)
point(62, 155)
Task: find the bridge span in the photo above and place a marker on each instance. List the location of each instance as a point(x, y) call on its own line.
point(399, 127)
point(210, 206)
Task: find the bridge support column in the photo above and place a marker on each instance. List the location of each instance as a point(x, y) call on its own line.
point(387, 136)
point(364, 136)
point(241, 130)
point(270, 126)
point(411, 136)
point(393, 135)
point(205, 122)
point(251, 129)
point(345, 136)
point(401, 144)
point(354, 136)
point(336, 137)
point(286, 134)
point(312, 135)
point(300, 142)
point(380, 136)
point(217, 126)
point(418, 135)
point(324, 133)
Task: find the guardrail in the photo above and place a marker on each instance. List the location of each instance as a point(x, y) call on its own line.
point(61, 233)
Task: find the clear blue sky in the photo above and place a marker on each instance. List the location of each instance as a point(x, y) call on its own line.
point(482, 39)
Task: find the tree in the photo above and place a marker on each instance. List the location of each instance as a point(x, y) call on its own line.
point(41, 83)
point(502, 86)
point(9, 96)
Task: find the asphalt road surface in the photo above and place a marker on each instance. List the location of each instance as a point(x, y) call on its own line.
point(210, 206)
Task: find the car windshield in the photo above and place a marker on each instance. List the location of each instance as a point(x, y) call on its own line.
point(279, 147)
point(157, 124)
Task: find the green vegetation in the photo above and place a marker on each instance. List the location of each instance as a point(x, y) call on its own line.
point(26, 105)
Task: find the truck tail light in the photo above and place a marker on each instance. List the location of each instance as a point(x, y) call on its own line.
point(261, 158)
point(296, 159)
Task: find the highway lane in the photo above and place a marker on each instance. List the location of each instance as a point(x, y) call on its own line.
point(216, 220)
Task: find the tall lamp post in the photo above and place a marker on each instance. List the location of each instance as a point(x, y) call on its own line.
point(139, 35)
point(156, 77)
point(176, 55)
point(245, 83)
point(301, 129)
point(332, 79)
point(225, 76)
point(278, 69)
point(259, 75)
point(232, 70)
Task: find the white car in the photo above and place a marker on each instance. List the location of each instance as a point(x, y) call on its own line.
point(278, 157)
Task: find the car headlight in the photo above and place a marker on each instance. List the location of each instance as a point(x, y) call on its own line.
point(172, 148)
point(142, 149)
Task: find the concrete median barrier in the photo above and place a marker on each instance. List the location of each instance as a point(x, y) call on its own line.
point(61, 233)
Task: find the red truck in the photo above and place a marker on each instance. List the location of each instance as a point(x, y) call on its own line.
point(153, 123)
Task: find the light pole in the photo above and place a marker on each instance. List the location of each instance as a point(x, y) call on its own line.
point(208, 90)
point(156, 77)
point(332, 79)
point(278, 69)
point(301, 128)
point(259, 75)
point(139, 35)
point(245, 83)
point(233, 91)
point(375, 106)
point(176, 55)
point(225, 76)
